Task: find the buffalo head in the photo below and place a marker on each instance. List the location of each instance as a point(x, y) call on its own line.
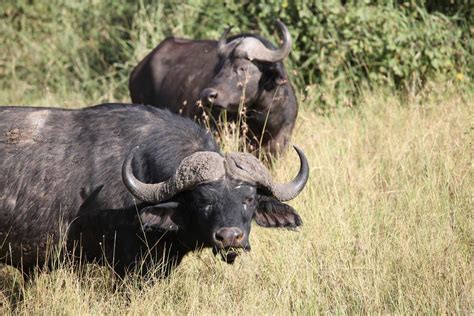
point(211, 200)
point(247, 66)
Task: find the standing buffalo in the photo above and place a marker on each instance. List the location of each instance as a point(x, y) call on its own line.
point(222, 74)
point(79, 175)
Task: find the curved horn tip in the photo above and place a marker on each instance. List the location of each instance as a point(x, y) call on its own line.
point(127, 165)
point(303, 162)
point(280, 24)
point(228, 29)
point(128, 160)
point(285, 32)
point(138, 189)
point(276, 55)
point(222, 43)
point(299, 151)
point(225, 33)
point(289, 191)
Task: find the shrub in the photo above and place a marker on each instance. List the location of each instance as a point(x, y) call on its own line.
point(339, 47)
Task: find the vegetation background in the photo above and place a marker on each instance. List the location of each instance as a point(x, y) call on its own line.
point(386, 102)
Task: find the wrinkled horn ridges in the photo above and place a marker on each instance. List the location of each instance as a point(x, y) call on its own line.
point(248, 168)
point(207, 166)
point(252, 48)
point(202, 166)
point(197, 168)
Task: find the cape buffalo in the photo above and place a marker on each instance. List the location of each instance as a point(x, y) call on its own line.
point(221, 74)
point(78, 176)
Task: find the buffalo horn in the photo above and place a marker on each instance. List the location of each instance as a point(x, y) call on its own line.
point(200, 167)
point(252, 48)
point(246, 167)
point(222, 46)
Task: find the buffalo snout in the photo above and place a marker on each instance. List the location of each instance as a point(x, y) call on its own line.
point(229, 237)
point(208, 96)
point(227, 241)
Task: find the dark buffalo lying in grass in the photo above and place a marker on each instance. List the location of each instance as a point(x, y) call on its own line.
point(221, 74)
point(118, 183)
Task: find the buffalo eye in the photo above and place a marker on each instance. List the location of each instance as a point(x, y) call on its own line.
point(240, 70)
point(208, 208)
point(249, 200)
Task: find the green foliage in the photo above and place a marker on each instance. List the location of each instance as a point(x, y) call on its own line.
point(342, 48)
point(63, 45)
point(90, 47)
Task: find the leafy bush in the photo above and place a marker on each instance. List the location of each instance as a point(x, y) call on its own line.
point(339, 48)
point(62, 46)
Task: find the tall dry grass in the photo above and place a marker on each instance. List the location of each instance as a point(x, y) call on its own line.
point(387, 212)
point(387, 229)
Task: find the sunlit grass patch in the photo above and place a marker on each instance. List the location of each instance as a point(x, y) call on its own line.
point(387, 228)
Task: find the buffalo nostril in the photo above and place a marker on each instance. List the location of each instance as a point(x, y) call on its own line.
point(219, 237)
point(208, 95)
point(229, 236)
point(239, 236)
point(212, 96)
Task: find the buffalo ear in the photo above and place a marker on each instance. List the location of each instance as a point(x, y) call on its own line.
point(161, 217)
point(273, 76)
point(273, 213)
